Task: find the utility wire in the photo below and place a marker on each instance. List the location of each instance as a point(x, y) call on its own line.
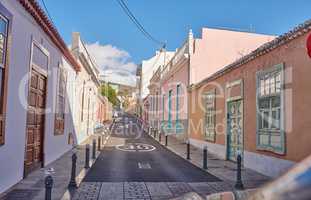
point(47, 11)
point(137, 23)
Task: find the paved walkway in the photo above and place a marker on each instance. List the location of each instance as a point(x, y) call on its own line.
point(223, 169)
point(33, 187)
point(101, 184)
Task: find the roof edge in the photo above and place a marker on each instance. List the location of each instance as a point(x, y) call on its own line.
point(34, 9)
point(294, 33)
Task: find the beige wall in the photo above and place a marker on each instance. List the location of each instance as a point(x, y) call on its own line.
point(297, 100)
point(218, 48)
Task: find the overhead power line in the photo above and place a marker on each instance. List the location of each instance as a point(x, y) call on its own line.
point(47, 11)
point(138, 24)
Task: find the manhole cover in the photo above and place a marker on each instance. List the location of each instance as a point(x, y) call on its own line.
point(136, 147)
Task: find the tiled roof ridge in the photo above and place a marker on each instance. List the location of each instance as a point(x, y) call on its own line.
point(298, 31)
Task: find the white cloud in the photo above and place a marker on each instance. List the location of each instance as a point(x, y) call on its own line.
point(115, 63)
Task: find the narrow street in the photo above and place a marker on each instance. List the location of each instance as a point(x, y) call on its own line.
point(132, 165)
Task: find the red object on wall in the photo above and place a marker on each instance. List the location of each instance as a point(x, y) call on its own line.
point(309, 45)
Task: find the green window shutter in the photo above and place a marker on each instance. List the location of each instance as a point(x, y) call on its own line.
point(270, 110)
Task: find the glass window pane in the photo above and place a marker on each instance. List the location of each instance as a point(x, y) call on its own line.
point(278, 83)
point(266, 119)
point(275, 102)
point(2, 48)
point(267, 86)
point(3, 25)
point(39, 58)
point(264, 103)
point(272, 85)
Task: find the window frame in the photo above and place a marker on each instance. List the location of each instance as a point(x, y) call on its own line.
point(212, 113)
point(59, 121)
point(279, 68)
point(178, 127)
point(7, 17)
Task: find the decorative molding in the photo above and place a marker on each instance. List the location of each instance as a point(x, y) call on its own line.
point(34, 9)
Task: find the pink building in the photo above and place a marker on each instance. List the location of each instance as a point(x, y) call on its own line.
point(195, 60)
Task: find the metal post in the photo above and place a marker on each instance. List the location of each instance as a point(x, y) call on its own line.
point(166, 138)
point(73, 182)
point(48, 187)
point(205, 157)
point(154, 133)
point(87, 156)
point(239, 184)
point(94, 149)
point(160, 137)
point(188, 150)
point(99, 143)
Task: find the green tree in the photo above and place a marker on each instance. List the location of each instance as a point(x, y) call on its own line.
point(110, 93)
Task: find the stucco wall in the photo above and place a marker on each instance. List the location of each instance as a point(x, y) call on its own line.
point(12, 152)
point(150, 66)
point(178, 76)
point(218, 48)
point(296, 101)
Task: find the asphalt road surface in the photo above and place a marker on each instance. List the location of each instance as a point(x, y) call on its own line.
point(136, 157)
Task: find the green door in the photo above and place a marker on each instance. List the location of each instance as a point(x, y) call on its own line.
point(170, 110)
point(234, 129)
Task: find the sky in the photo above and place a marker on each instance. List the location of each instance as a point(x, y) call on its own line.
point(118, 46)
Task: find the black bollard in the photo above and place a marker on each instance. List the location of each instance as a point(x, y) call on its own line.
point(94, 149)
point(188, 150)
point(239, 184)
point(166, 138)
point(99, 143)
point(205, 157)
point(160, 137)
point(154, 133)
point(73, 183)
point(48, 187)
point(87, 156)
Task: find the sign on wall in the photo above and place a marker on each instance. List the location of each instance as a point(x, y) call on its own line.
point(309, 45)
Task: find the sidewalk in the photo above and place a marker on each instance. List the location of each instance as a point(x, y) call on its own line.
point(33, 186)
point(223, 169)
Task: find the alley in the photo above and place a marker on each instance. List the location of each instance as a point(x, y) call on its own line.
point(134, 166)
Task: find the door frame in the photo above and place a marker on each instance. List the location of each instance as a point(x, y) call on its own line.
point(229, 99)
point(44, 73)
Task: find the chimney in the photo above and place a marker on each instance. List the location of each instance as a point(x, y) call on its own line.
point(75, 42)
point(190, 41)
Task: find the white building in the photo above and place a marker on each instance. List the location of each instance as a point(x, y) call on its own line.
point(150, 66)
point(38, 73)
point(87, 102)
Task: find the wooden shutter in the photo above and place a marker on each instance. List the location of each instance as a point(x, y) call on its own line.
point(59, 124)
point(5, 41)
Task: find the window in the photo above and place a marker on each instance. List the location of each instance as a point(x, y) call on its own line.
point(179, 127)
point(170, 109)
point(270, 134)
point(3, 73)
point(82, 102)
point(209, 103)
point(163, 110)
point(60, 101)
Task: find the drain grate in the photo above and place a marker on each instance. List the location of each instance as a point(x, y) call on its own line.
point(144, 165)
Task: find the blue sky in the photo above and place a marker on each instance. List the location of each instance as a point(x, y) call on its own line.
point(104, 22)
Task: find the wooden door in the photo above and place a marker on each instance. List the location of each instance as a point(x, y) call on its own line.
point(235, 129)
point(35, 122)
